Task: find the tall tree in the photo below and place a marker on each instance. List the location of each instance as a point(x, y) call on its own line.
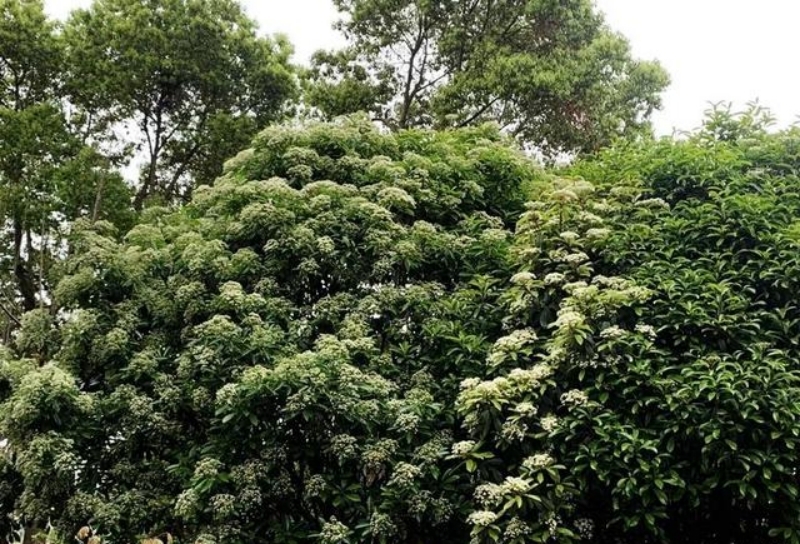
point(190, 80)
point(549, 71)
point(47, 174)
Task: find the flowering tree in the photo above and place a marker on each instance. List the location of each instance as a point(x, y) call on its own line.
point(360, 337)
point(280, 358)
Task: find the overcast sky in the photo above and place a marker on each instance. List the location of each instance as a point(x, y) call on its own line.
point(714, 50)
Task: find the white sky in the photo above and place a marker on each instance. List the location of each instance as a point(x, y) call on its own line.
point(714, 50)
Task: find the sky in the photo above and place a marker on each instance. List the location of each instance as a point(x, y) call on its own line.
point(715, 50)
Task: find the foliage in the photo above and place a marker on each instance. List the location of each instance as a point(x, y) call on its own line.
point(280, 358)
point(191, 77)
point(48, 174)
point(550, 71)
point(356, 336)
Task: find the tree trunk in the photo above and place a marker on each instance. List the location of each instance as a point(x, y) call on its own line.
point(22, 273)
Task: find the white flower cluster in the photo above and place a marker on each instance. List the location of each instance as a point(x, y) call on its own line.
point(334, 532)
point(395, 197)
point(537, 461)
point(515, 341)
point(407, 422)
point(250, 499)
point(552, 524)
point(223, 505)
point(576, 258)
point(381, 525)
point(510, 345)
point(513, 431)
point(612, 332)
point(207, 468)
point(646, 330)
point(597, 233)
point(404, 475)
point(326, 245)
point(314, 485)
point(590, 218)
point(187, 504)
point(526, 409)
point(549, 423)
point(652, 203)
point(463, 448)
point(527, 377)
point(515, 486)
point(469, 383)
point(569, 319)
point(574, 397)
point(569, 236)
point(554, 278)
point(523, 278)
point(517, 529)
point(575, 288)
point(482, 518)
point(343, 446)
point(564, 195)
point(379, 453)
point(488, 495)
point(585, 528)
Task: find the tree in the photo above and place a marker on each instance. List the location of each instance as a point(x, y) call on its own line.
point(189, 79)
point(47, 174)
point(285, 348)
point(666, 403)
point(550, 72)
point(360, 336)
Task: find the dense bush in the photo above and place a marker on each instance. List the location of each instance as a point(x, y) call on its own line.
point(359, 337)
point(281, 357)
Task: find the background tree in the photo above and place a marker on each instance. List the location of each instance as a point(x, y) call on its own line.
point(189, 80)
point(548, 71)
point(48, 176)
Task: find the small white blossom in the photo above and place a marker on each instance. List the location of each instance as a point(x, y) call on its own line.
point(516, 486)
point(525, 408)
point(549, 423)
point(463, 448)
point(612, 332)
point(554, 278)
point(590, 218)
point(597, 234)
point(523, 278)
point(537, 461)
point(569, 236)
point(488, 495)
point(585, 528)
point(576, 258)
point(482, 518)
point(646, 330)
point(652, 203)
point(568, 319)
point(574, 397)
point(564, 195)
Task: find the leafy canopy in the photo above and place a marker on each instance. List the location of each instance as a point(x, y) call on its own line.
point(365, 337)
point(48, 173)
point(190, 77)
point(548, 71)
